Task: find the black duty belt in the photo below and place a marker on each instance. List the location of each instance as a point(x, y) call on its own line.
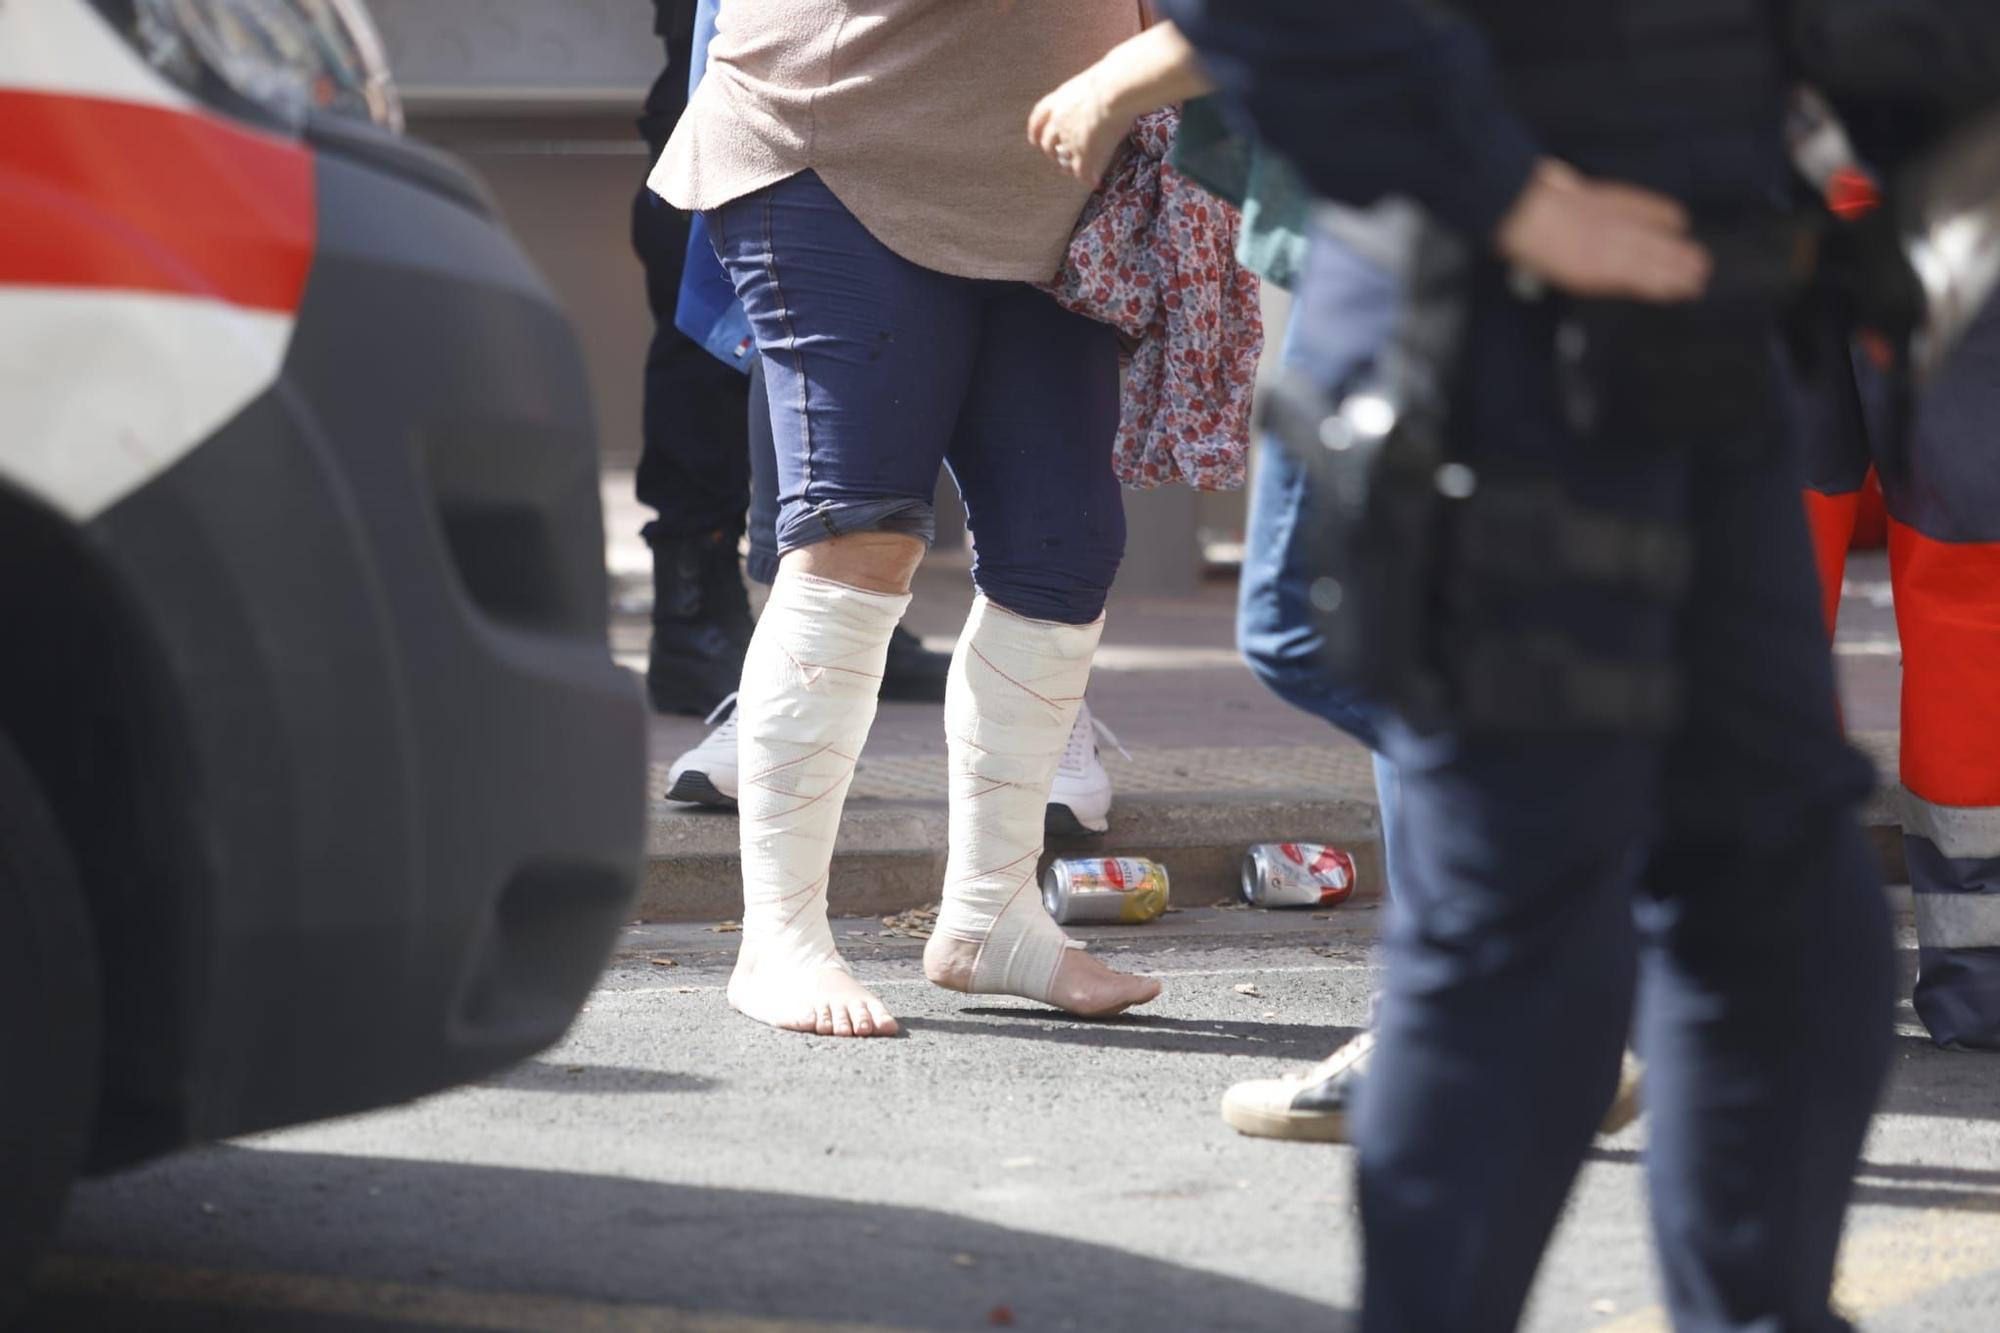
point(1543, 683)
point(1407, 537)
point(1527, 532)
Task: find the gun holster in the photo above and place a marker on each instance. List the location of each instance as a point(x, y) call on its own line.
point(1408, 538)
point(1374, 523)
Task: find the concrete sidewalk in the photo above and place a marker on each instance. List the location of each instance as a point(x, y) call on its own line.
point(1217, 763)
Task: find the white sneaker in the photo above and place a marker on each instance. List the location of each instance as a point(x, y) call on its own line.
point(1080, 801)
point(706, 775)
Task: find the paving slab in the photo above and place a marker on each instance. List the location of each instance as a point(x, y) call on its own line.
point(673, 1166)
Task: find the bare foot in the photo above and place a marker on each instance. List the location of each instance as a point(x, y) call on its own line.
point(1083, 985)
point(826, 1000)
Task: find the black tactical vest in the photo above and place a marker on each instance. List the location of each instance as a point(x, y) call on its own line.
point(1685, 95)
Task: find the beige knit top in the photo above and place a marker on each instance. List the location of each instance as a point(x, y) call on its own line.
point(914, 113)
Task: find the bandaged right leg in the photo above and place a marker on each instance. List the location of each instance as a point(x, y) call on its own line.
point(1014, 690)
point(810, 681)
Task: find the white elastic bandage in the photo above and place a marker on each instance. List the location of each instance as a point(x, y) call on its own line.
point(1012, 696)
point(810, 681)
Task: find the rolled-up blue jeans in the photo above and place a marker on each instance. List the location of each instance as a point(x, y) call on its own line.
point(877, 370)
point(1344, 312)
point(761, 565)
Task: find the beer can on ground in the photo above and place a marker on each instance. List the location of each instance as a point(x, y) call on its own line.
point(1095, 890)
point(1297, 874)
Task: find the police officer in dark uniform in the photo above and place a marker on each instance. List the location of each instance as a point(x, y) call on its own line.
point(1629, 778)
point(694, 463)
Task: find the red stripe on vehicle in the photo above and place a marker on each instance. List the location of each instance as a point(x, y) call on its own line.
point(107, 194)
point(1948, 614)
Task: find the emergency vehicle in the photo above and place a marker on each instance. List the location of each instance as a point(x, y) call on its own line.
point(319, 789)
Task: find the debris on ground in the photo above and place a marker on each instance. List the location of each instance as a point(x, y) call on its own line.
point(964, 1260)
point(915, 924)
point(1001, 1316)
point(664, 962)
point(1248, 988)
point(726, 928)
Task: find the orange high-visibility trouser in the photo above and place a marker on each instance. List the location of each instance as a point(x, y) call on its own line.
point(1943, 496)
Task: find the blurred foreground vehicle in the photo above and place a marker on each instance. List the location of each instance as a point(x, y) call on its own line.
point(318, 787)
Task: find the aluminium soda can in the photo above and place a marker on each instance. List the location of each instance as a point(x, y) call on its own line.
point(1297, 874)
point(1099, 890)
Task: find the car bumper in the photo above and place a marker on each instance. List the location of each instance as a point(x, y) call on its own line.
point(411, 778)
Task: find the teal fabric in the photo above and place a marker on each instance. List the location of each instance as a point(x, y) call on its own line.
point(1274, 199)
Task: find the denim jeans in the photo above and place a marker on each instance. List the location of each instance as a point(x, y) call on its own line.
point(877, 370)
point(1344, 312)
point(761, 565)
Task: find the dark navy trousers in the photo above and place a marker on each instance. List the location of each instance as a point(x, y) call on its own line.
point(1717, 874)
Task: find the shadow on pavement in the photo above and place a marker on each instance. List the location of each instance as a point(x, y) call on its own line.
point(1890, 1185)
point(556, 1076)
point(1139, 1032)
point(230, 1239)
point(1926, 1079)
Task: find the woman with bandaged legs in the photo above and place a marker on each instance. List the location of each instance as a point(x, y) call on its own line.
point(867, 183)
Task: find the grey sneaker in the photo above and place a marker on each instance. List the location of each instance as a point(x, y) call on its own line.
point(1311, 1106)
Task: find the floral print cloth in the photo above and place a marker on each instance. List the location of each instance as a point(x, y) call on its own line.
point(1155, 256)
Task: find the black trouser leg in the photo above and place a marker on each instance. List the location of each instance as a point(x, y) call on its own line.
point(694, 464)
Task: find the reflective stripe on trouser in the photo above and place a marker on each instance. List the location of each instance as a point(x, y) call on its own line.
point(1942, 490)
point(1954, 858)
point(1948, 612)
point(1955, 873)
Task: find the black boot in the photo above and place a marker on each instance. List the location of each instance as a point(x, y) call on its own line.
point(913, 674)
point(701, 623)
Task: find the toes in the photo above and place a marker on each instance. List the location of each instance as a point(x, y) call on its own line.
point(823, 1020)
point(869, 1018)
point(843, 1021)
point(883, 1021)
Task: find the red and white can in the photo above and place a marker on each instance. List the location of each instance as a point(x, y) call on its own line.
point(1297, 874)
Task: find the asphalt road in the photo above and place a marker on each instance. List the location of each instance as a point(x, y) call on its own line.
point(674, 1167)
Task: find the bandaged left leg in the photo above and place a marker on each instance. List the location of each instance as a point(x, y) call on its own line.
point(1013, 693)
point(808, 697)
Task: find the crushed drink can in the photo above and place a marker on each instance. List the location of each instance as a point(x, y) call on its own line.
point(1297, 874)
point(1124, 890)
